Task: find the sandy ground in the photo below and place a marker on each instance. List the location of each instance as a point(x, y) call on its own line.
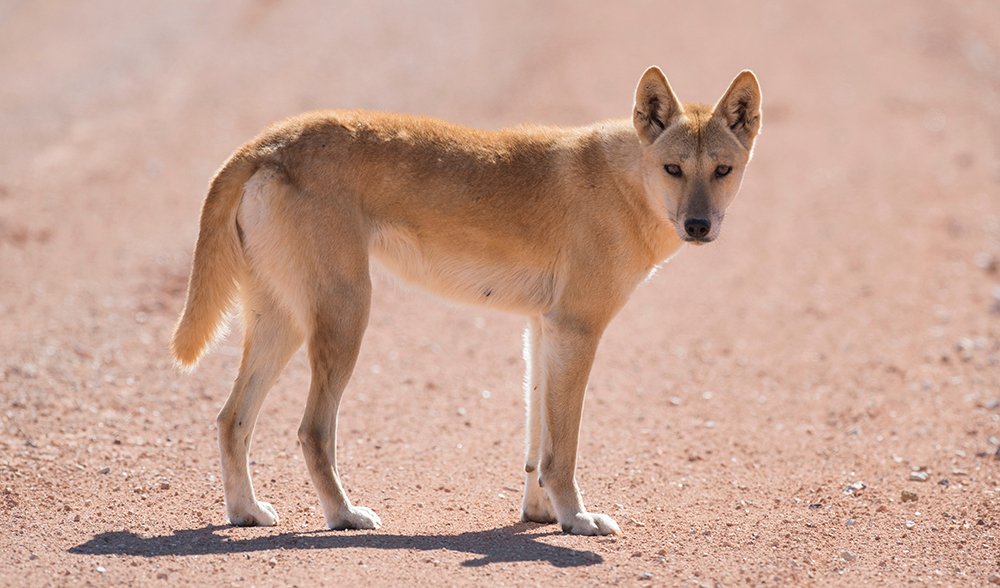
point(846, 327)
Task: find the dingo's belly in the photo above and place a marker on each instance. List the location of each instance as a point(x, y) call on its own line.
point(470, 273)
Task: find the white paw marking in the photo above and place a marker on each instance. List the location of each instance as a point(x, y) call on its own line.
point(591, 523)
point(253, 514)
point(356, 517)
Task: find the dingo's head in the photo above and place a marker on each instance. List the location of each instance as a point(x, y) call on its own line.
point(693, 156)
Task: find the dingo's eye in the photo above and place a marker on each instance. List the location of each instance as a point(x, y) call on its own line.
point(673, 169)
point(723, 170)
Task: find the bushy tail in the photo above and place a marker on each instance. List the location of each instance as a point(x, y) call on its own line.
point(217, 261)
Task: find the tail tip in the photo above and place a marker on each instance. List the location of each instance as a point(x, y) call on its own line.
point(185, 349)
point(190, 343)
point(185, 357)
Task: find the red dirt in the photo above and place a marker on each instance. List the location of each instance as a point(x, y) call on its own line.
point(845, 328)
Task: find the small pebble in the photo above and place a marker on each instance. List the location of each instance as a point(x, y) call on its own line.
point(272, 562)
point(855, 488)
point(101, 569)
point(645, 576)
point(944, 482)
point(907, 496)
point(910, 524)
point(994, 578)
point(847, 555)
point(919, 476)
point(850, 522)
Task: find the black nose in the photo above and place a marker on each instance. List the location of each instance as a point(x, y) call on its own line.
point(697, 227)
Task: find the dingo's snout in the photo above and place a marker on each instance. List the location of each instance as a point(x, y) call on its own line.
point(698, 229)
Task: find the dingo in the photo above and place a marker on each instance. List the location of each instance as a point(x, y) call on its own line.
point(556, 224)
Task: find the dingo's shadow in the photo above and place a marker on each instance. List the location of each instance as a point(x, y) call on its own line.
point(508, 544)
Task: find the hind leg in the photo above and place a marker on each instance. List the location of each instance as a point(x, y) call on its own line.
point(270, 340)
point(340, 321)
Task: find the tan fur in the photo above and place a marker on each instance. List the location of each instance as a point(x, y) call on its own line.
point(556, 224)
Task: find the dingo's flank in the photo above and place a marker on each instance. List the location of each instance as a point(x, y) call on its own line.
point(559, 225)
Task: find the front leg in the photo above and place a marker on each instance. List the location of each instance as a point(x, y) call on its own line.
point(536, 506)
point(568, 345)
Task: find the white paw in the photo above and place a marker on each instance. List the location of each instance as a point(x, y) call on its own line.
point(536, 506)
point(591, 523)
point(356, 517)
point(253, 514)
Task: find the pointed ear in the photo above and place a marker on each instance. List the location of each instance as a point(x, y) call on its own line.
point(655, 105)
point(740, 108)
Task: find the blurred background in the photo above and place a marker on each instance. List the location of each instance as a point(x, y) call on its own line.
point(845, 328)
